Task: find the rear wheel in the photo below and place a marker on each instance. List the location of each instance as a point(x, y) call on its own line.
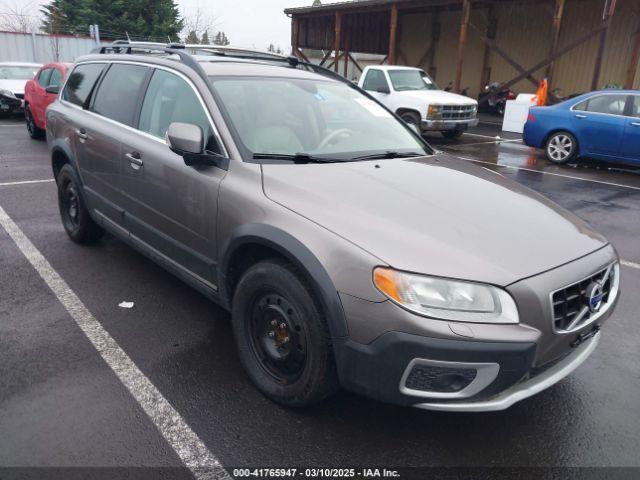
point(452, 134)
point(562, 147)
point(35, 132)
point(74, 214)
point(282, 336)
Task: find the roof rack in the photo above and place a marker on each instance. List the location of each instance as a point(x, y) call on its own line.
point(180, 49)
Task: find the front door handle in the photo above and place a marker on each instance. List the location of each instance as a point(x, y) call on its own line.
point(635, 124)
point(580, 116)
point(134, 160)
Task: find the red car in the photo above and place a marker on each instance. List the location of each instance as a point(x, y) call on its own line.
point(39, 93)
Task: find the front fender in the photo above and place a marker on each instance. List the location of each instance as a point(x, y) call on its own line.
point(299, 255)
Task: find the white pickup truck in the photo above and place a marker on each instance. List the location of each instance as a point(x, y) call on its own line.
point(416, 98)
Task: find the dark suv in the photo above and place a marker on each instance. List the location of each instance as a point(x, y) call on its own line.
point(348, 251)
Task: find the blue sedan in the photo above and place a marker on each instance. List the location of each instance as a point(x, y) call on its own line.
point(603, 125)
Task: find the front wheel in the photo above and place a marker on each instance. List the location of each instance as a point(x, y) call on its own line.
point(452, 134)
point(411, 118)
point(282, 336)
point(35, 132)
point(74, 214)
point(562, 147)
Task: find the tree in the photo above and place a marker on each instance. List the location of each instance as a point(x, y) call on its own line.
point(273, 49)
point(205, 39)
point(192, 38)
point(221, 39)
point(18, 17)
point(199, 22)
point(141, 19)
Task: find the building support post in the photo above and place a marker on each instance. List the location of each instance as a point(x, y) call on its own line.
point(492, 32)
point(436, 28)
point(295, 35)
point(609, 9)
point(345, 59)
point(555, 39)
point(464, 28)
point(633, 62)
point(393, 35)
point(336, 46)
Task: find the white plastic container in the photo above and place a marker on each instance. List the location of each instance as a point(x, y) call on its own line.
point(517, 111)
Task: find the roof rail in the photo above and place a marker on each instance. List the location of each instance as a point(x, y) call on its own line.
point(123, 46)
point(179, 49)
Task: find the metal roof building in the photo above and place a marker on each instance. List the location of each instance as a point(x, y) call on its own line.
point(579, 45)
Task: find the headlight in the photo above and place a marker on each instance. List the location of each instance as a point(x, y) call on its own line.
point(434, 112)
point(447, 299)
point(7, 93)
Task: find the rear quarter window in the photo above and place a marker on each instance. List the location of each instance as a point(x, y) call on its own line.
point(119, 91)
point(81, 82)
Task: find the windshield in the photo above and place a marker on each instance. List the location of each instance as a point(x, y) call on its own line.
point(316, 118)
point(404, 80)
point(17, 73)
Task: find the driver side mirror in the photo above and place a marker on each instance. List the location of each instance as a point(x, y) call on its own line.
point(185, 139)
point(53, 89)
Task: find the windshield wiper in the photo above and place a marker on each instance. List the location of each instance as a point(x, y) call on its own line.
point(297, 158)
point(390, 155)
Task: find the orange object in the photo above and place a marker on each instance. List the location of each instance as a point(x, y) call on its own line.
point(542, 93)
point(386, 280)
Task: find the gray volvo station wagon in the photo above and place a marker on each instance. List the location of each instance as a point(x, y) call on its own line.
point(349, 252)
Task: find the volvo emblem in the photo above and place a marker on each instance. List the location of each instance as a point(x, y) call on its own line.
point(594, 297)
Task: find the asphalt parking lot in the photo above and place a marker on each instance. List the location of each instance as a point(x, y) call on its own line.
point(63, 403)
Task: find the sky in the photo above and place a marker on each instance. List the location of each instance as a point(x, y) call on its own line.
point(249, 23)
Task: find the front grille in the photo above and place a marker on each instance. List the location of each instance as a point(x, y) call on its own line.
point(458, 112)
point(571, 304)
point(428, 378)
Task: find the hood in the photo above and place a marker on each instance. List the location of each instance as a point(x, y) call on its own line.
point(437, 97)
point(437, 215)
point(14, 86)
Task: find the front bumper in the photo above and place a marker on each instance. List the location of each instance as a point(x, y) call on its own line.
point(524, 389)
point(442, 125)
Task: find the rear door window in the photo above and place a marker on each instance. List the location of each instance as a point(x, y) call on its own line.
point(635, 107)
point(119, 91)
point(608, 104)
point(81, 82)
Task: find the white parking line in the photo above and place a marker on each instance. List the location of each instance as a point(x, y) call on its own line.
point(191, 450)
point(626, 263)
point(494, 137)
point(25, 182)
point(548, 173)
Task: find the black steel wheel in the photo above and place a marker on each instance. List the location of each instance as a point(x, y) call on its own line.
point(76, 220)
point(277, 337)
point(282, 336)
point(35, 132)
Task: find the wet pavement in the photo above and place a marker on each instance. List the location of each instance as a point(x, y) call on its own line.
point(61, 405)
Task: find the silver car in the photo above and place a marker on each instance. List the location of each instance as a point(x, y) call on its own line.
point(348, 251)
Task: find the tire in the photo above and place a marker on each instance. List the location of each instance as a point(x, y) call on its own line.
point(561, 147)
point(73, 211)
point(35, 132)
point(452, 134)
point(282, 336)
point(411, 118)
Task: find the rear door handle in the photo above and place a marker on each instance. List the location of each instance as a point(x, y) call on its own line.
point(82, 134)
point(134, 160)
point(635, 124)
point(580, 116)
